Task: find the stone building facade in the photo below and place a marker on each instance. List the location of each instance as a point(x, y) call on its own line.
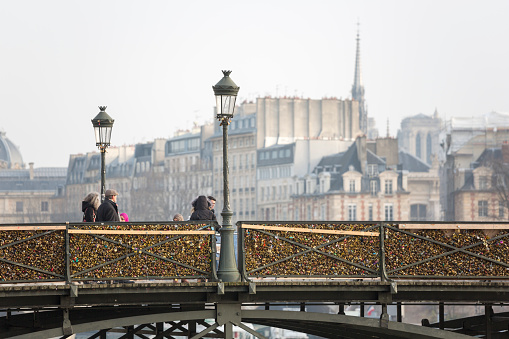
point(188, 168)
point(241, 162)
point(27, 195)
point(484, 195)
point(462, 141)
point(361, 185)
point(278, 168)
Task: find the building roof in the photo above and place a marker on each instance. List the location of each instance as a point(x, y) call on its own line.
point(9, 153)
point(44, 179)
point(276, 155)
point(338, 164)
point(410, 163)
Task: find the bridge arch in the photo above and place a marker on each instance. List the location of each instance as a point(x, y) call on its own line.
point(315, 323)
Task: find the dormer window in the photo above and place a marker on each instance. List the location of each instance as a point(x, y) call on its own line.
point(372, 170)
point(373, 187)
point(388, 186)
point(352, 185)
point(483, 182)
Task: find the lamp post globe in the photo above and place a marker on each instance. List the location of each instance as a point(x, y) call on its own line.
point(103, 125)
point(226, 95)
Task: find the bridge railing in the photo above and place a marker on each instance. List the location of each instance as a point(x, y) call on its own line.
point(386, 250)
point(107, 251)
point(309, 249)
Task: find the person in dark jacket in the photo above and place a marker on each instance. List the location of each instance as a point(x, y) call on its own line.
point(89, 207)
point(201, 209)
point(108, 211)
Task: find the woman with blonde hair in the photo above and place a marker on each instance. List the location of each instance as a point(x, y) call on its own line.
point(89, 206)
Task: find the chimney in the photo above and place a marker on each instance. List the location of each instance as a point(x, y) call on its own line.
point(31, 170)
point(362, 153)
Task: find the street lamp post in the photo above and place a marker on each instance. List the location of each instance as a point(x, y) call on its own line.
point(103, 125)
point(226, 94)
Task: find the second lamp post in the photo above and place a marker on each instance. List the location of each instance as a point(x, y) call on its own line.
point(226, 94)
point(103, 125)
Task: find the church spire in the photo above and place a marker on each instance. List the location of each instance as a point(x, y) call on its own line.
point(358, 88)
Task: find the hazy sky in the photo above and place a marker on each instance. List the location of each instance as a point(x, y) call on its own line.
point(153, 63)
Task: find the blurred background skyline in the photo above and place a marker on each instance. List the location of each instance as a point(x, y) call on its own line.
point(154, 63)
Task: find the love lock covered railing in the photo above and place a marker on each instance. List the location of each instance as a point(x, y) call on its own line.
point(404, 250)
point(116, 251)
point(447, 250)
point(309, 249)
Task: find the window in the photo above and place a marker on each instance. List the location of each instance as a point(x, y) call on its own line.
point(483, 182)
point(389, 216)
point(388, 186)
point(418, 146)
point(483, 208)
point(352, 185)
point(370, 212)
point(372, 170)
point(194, 144)
point(352, 212)
point(373, 187)
point(234, 162)
point(428, 149)
point(44, 206)
point(308, 212)
point(501, 209)
point(418, 212)
point(19, 206)
point(323, 211)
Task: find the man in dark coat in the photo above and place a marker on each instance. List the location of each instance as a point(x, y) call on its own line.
point(201, 209)
point(108, 211)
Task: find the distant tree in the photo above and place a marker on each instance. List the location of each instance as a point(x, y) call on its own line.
point(501, 184)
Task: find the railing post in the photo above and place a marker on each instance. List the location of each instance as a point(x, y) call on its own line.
point(383, 272)
point(213, 254)
point(241, 252)
point(441, 315)
point(67, 255)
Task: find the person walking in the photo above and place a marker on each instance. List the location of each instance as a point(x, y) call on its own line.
point(178, 217)
point(89, 207)
point(202, 209)
point(108, 211)
point(212, 203)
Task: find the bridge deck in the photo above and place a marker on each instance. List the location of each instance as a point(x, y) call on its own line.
point(157, 293)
